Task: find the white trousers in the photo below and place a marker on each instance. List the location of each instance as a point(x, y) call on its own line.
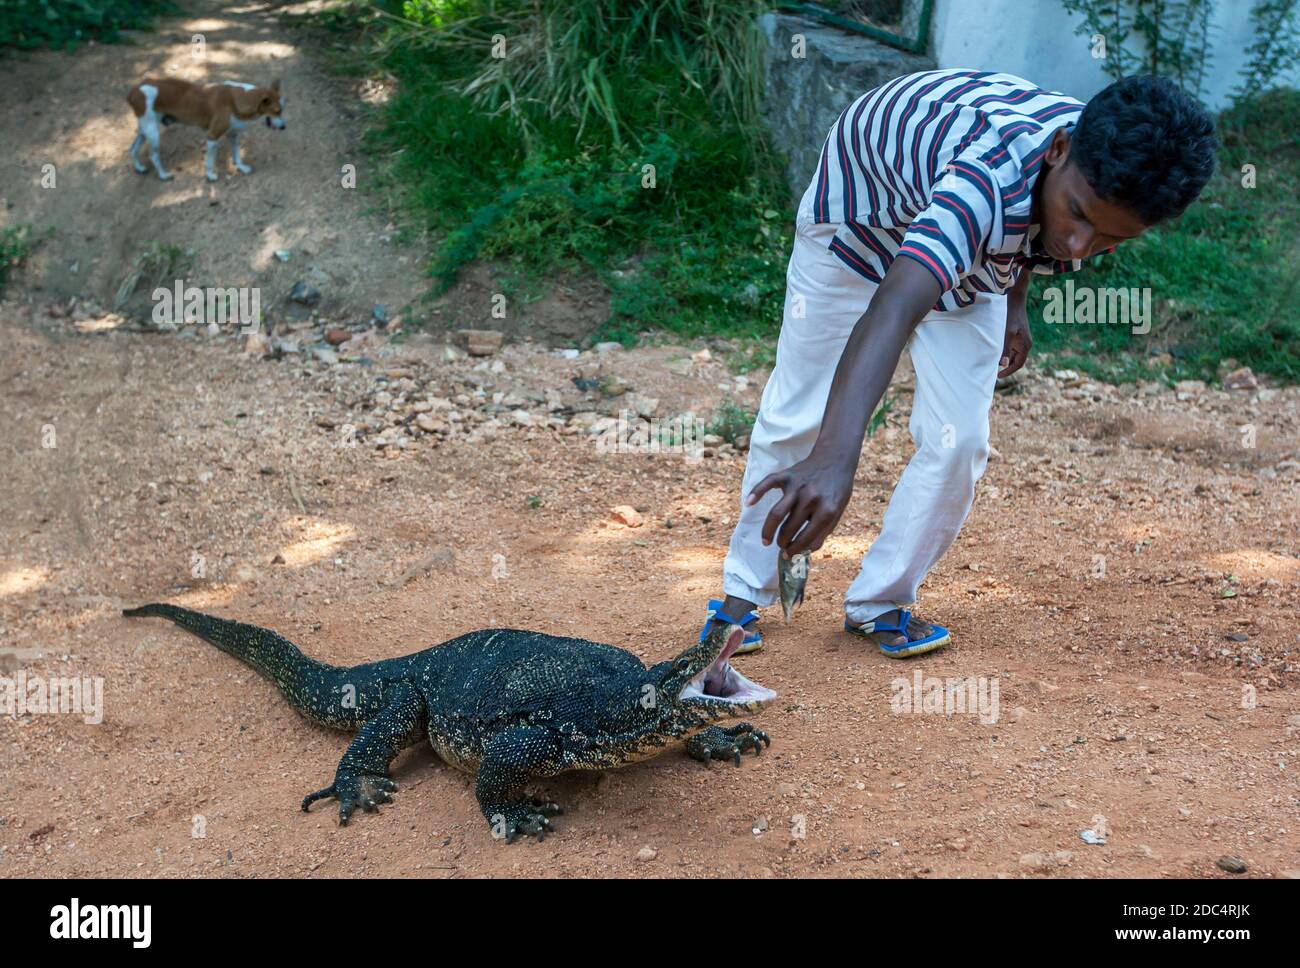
point(956, 358)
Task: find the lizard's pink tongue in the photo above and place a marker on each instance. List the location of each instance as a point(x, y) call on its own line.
point(717, 674)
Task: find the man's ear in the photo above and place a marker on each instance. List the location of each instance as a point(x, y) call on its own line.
point(1058, 152)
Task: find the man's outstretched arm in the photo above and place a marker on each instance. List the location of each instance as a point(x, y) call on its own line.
point(815, 491)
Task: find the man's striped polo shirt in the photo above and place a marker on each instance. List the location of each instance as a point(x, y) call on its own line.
point(940, 167)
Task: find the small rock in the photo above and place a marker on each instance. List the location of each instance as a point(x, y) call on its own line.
point(282, 254)
point(711, 440)
point(1189, 386)
point(480, 342)
point(641, 405)
point(626, 515)
point(429, 423)
point(680, 367)
point(324, 355)
point(304, 293)
point(278, 560)
point(337, 336)
point(324, 421)
point(1233, 865)
point(257, 345)
point(1034, 861)
point(608, 347)
point(646, 853)
point(1240, 379)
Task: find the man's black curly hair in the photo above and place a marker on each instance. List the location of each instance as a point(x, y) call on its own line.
point(1144, 145)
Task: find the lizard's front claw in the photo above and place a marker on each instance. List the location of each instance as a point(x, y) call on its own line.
point(528, 817)
point(364, 790)
point(716, 743)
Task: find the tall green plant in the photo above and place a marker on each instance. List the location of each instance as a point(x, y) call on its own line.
point(1171, 37)
point(1275, 49)
point(537, 61)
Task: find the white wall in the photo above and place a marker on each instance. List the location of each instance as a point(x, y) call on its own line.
point(1035, 39)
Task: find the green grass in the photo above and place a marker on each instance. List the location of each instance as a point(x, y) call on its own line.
point(730, 420)
point(62, 24)
point(15, 245)
point(1223, 278)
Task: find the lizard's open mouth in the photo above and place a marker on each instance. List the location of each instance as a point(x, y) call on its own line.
point(719, 682)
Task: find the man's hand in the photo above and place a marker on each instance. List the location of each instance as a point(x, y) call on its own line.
point(814, 492)
point(1016, 343)
point(1015, 346)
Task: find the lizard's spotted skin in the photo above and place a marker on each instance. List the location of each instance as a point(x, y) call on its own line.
point(504, 704)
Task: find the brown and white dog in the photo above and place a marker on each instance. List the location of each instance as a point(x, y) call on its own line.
point(220, 109)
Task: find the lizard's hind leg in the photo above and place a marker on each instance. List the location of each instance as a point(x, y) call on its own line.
point(362, 778)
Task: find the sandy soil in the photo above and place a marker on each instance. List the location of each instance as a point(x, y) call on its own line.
point(1128, 577)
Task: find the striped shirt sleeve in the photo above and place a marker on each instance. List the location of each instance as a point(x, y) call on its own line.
point(951, 236)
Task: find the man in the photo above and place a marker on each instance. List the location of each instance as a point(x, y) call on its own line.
point(935, 198)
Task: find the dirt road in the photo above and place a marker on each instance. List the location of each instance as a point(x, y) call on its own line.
point(1128, 579)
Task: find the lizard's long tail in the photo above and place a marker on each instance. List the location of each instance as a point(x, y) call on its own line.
point(315, 689)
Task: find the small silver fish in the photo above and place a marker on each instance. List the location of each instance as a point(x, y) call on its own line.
point(793, 574)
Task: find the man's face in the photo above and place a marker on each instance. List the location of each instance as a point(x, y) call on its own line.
point(1073, 222)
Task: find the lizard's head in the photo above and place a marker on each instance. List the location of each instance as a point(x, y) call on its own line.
point(701, 685)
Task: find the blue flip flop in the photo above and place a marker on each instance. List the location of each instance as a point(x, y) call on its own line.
point(936, 639)
point(752, 642)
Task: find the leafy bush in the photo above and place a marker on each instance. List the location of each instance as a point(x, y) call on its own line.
point(61, 24)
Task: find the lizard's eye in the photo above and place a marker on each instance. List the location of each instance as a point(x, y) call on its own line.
point(681, 665)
